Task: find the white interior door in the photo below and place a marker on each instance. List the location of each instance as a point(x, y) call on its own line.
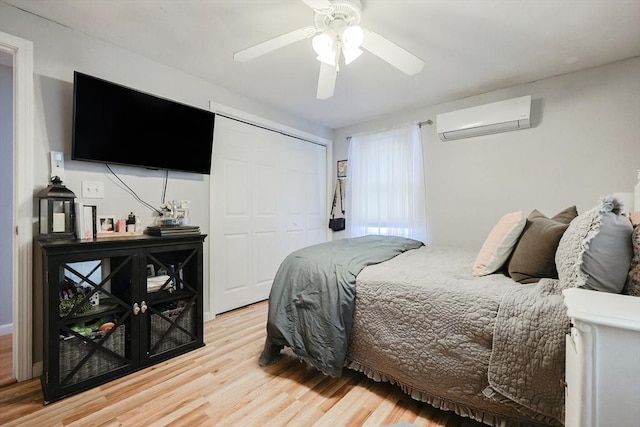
point(268, 199)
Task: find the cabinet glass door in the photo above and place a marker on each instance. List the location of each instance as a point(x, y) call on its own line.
point(172, 300)
point(94, 318)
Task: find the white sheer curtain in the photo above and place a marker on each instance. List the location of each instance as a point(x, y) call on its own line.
point(385, 188)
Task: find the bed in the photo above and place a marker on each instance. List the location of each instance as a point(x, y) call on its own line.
point(486, 347)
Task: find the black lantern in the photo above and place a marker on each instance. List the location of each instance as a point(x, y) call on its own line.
point(56, 219)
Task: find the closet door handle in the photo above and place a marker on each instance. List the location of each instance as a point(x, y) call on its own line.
point(136, 309)
point(143, 307)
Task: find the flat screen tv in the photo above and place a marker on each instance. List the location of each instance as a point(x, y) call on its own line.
point(119, 125)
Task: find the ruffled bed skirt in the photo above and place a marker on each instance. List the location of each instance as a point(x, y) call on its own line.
point(446, 405)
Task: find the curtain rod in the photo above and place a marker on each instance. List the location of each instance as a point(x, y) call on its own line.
point(425, 122)
point(269, 129)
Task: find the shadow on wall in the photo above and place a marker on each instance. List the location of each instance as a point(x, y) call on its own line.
point(55, 99)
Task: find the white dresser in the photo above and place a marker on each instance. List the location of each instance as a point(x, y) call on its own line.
point(603, 360)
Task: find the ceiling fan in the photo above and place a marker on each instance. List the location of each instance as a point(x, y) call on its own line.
point(336, 33)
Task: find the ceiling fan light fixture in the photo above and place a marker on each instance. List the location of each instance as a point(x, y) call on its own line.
point(351, 54)
point(323, 44)
point(352, 37)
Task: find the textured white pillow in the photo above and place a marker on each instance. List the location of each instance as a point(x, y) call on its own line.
point(595, 251)
point(499, 244)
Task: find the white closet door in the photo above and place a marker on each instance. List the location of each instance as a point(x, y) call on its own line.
point(268, 199)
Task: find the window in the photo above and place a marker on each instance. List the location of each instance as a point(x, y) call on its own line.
point(385, 188)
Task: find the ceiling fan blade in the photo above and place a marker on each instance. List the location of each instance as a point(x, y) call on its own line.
point(318, 4)
point(274, 43)
point(326, 81)
point(392, 53)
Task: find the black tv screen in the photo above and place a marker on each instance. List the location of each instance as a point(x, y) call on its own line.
point(120, 125)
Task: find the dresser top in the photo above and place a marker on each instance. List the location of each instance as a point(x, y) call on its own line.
point(602, 308)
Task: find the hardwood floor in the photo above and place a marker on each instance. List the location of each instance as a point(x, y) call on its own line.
point(6, 362)
point(222, 385)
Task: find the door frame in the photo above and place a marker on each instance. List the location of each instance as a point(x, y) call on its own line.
point(22, 280)
point(269, 124)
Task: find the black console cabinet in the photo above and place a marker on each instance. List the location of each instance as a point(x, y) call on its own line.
point(114, 306)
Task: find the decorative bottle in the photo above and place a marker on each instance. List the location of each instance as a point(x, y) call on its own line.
point(131, 222)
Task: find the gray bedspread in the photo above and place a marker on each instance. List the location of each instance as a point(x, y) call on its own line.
point(485, 347)
point(312, 296)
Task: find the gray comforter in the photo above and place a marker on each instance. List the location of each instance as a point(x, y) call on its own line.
point(485, 347)
point(312, 297)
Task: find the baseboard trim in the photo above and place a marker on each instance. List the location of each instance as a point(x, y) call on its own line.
point(7, 381)
point(6, 329)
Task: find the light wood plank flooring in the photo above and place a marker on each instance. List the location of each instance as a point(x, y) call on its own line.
point(222, 385)
point(6, 362)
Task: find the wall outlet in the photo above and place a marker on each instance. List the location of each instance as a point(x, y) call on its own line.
point(92, 190)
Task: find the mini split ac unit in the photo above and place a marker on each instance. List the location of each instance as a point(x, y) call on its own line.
point(502, 116)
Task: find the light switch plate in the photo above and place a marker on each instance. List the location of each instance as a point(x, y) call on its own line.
point(92, 190)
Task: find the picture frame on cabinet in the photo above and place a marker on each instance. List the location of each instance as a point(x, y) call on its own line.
point(106, 224)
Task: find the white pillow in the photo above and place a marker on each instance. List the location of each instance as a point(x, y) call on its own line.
point(499, 244)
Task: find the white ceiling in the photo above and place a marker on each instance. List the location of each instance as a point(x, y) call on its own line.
point(469, 46)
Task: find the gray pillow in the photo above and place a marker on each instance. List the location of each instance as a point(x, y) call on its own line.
point(533, 258)
point(632, 287)
point(595, 251)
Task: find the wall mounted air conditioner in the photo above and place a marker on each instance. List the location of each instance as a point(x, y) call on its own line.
point(502, 116)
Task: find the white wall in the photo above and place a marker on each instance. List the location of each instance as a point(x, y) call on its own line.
point(6, 194)
point(584, 142)
point(58, 51)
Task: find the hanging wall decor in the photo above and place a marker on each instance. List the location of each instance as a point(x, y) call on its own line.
point(342, 168)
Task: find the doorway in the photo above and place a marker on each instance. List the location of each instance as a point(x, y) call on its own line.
point(6, 218)
point(21, 203)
